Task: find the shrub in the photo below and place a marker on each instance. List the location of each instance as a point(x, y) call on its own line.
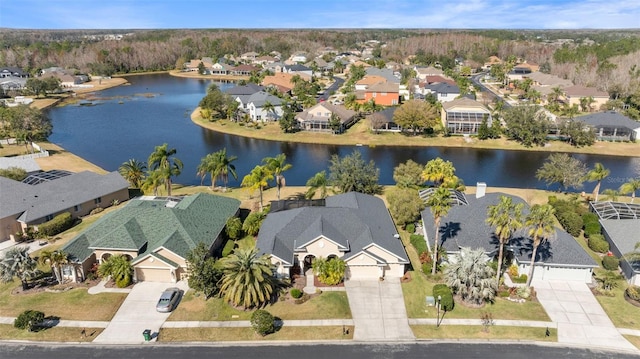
point(523, 292)
point(228, 248)
point(411, 228)
point(427, 267)
point(262, 322)
point(28, 319)
point(58, 224)
point(418, 243)
point(570, 221)
point(96, 211)
point(633, 292)
point(589, 218)
point(522, 278)
point(597, 243)
point(513, 271)
point(446, 296)
point(296, 293)
point(610, 262)
point(592, 228)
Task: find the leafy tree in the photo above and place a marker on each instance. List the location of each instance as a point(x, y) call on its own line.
point(201, 68)
point(29, 319)
point(162, 160)
point(527, 125)
point(277, 166)
point(506, 218)
point(287, 120)
point(335, 124)
point(25, 123)
point(598, 173)
point(484, 132)
point(540, 223)
point(352, 173)
point(470, 276)
point(134, 172)
point(562, 169)
point(18, 263)
point(318, 182)
point(234, 228)
point(329, 271)
point(217, 102)
point(14, 173)
point(204, 272)
point(416, 115)
point(263, 322)
point(632, 186)
point(56, 260)
point(408, 174)
point(442, 174)
point(405, 205)
point(257, 179)
point(252, 223)
point(578, 134)
point(119, 268)
point(248, 279)
point(439, 202)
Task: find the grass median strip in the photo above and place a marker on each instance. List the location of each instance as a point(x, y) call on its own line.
point(55, 334)
point(481, 332)
point(248, 334)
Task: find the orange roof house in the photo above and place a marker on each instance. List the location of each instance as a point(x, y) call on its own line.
point(382, 93)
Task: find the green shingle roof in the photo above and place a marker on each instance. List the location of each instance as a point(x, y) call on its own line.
point(144, 225)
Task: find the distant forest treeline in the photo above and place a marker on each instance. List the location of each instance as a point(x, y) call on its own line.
point(607, 59)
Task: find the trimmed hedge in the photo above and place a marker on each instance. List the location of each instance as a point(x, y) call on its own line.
point(590, 218)
point(411, 228)
point(597, 243)
point(446, 296)
point(610, 262)
point(296, 293)
point(571, 222)
point(522, 278)
point(263, 322)
point(418, 243)
point(58, 224)
point(592, 228)
point(29, 319)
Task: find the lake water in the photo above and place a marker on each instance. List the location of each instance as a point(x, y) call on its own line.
point(128, 121)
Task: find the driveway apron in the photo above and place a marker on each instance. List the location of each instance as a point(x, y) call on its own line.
point(580, 318)
point(136, 314)
point(378, 310)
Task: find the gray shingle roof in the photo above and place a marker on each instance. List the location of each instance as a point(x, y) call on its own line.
point(443, 87)
point(27, 164)
point(608, 118)
point(465, 226)
point(248, 89)
point(623, 232)
point(352, 220)
point(260, 98)
point(35, 202)
point(145, 225)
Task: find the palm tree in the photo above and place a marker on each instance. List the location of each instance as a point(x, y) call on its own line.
point(161, 159)
point(598, 173)
point(247, 278)
point(153, 180)
point(18, 263)
point(631, 187)
point(119, 268)
point(133, 171)
point(540, 221)
point(226, 167)
point(506, 217)
point(257, 179)
point(611, 194)
point(208, 165)
point(440, 172)
point(269, 108)
point(56, 260)
point(470, 276)
point(277, 165)
point(440, 203)
point(318, 182)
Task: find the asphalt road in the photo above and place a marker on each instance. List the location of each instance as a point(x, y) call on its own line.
point(333, 88)
point(310, 351)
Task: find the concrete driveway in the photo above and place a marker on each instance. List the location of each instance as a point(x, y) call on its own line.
point(137, 313)
point(581, 320)
point(378, 310)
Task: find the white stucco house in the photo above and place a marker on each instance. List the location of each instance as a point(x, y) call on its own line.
point(353, 226)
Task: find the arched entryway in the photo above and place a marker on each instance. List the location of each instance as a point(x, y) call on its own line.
point(104, 257)
point(308, 262)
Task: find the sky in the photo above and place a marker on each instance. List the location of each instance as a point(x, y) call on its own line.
point(277, 14)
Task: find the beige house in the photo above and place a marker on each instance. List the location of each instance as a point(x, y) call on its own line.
point(44, 195)
point(575, 93)
point(463, 116)
point(155, 234)
point(354, 227)
point(317, 118)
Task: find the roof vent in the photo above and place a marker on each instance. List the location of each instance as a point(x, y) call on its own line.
point(396, 236)
point(481, 189)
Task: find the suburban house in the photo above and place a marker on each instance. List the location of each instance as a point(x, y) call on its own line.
point(354, 227)
point(154, 233)
point(464, 116)
point(442, 91)
point(297, 69)
point(493, 60)
point(12, 71)
point(66, 79)
point(280, 81)
point(423, 71)
point(194, 65)
point(382, 93)
point(264, 60)
point(620, 227)
point(574, 93)
point(220, 69)
point(612, 126)
point(249, 56)
point(298, 57)
point(242, 93)
point(244, 70)
point(559, 258)
point(382, 121)
point(258, 107)
point(367, 81)
point(317, 117)
point(44, 195)
point(519, 73)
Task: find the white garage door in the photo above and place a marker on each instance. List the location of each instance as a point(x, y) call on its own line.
point(364, 272)
point(153, 275)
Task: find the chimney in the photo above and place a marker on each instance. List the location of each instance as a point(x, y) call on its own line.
point(481, 189)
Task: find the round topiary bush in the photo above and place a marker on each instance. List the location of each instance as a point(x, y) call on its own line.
point(610, 263)
point(296, 293)
point(28, 319)
point(597, 243)
point(446, 296)
point(263, 322)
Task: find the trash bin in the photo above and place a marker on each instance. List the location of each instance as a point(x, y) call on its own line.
point(147, 335)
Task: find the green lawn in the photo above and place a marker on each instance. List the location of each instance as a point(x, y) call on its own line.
point(328, 305)
point(56, 334)
point(622, 313)
point(477, 332)
point(248, 334)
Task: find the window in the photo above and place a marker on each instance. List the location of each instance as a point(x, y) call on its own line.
point(394, 102)
point(383, 94)
point(77, 208)
point(374, 94)
point(48, 217)
point(97, 200)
